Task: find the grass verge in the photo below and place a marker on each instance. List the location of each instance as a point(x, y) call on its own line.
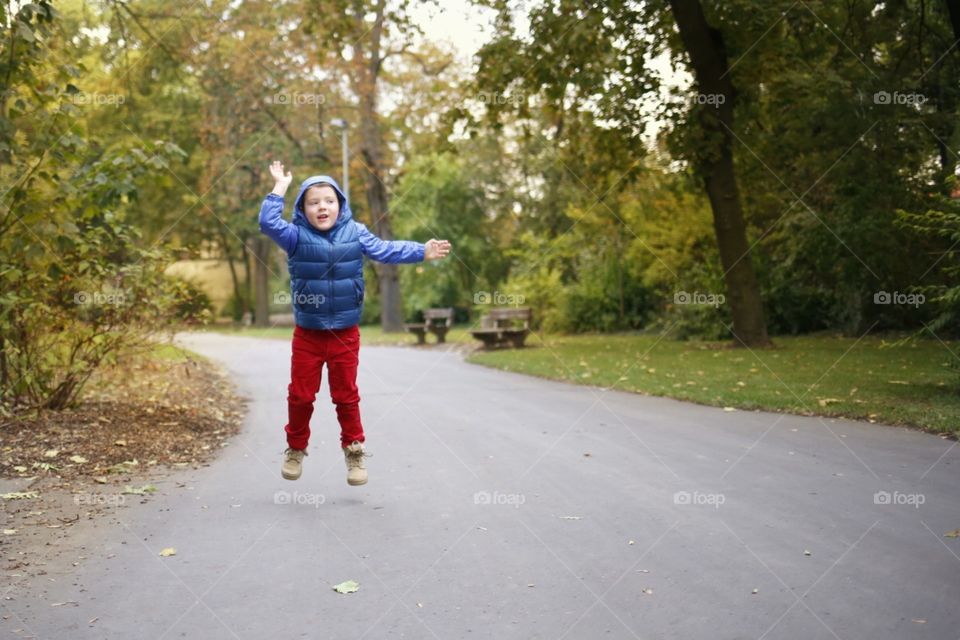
point(873, 378)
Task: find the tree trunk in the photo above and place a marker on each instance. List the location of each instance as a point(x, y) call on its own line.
point(708, 59)
point(946, 104)
point(953, 9)
point(261, 253)
point(237, 291)
point(247, 250)
point(365, 74)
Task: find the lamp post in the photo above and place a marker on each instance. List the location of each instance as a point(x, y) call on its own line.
point(345, 154)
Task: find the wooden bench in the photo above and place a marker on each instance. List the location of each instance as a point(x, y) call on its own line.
point(436, 321)
point(504, 326)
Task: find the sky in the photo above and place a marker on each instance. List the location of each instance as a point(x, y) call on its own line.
point(458, 23)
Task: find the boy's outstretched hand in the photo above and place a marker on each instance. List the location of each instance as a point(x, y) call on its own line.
point(435, 249)
point(281, 180)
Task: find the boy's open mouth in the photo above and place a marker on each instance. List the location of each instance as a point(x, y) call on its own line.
point(322, 216)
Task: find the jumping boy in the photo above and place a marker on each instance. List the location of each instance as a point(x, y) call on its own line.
point(325, 248)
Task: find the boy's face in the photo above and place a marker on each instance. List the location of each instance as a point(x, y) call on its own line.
point(321, 207)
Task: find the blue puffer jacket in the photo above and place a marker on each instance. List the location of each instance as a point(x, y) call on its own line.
point(326, 268)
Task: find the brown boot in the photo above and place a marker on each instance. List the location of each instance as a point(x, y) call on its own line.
point(356, 470)
point(293, 463)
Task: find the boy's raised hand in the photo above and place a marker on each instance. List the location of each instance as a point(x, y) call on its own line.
point(281, 180)
point(435, 249)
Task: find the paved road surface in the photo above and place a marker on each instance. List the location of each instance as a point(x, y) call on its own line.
point(502, 506)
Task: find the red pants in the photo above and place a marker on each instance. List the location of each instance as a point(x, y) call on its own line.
point(340, 350)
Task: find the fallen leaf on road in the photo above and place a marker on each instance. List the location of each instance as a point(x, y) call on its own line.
point(78, 459)
point(169, 551)
point(806, 553)
point(9, 532)
point(952, 534)
point(142, 491)
point(350, 586)
point(919, 620)
point(648, 592)
point(20, 495)
point(51, 453)
point(729, 409)
point(571, 518)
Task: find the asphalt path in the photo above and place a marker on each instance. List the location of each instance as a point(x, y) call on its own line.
point(505, 506)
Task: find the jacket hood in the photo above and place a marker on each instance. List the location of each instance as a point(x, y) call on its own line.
point(343, 217)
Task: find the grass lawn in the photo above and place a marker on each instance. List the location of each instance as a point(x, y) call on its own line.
point(825, 375)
